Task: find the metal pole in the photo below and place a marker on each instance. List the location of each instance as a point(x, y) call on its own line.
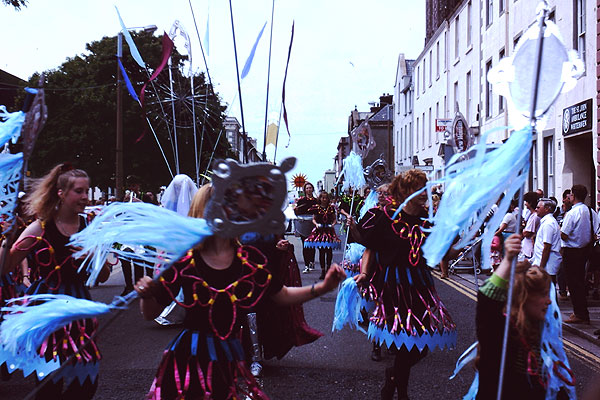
point(119, 144)
point(237, 69)
point(532, 118)
point(174, 117)
point(264, 152)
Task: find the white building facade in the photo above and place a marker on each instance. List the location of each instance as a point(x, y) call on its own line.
point(450, 74)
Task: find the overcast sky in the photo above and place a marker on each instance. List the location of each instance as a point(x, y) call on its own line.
point(344, 55)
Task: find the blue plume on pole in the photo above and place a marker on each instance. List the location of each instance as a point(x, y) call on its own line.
point(166, 235)
point(352, 172)
point(370, 202)
point(25, 326)
point(354, 252)
point(347, 307)
point(10, 125)
point(473, 186)
point(250, 58)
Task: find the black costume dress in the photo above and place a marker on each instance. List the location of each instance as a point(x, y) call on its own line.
point(206, 360)
point(408, 311)
point(58, 273)
point(323, 236)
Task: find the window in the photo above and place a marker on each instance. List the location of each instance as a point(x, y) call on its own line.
point(423, 132)
point(429, 128)
point(500, 7)
point(402, 143)
point(445, 51)
point(549, 165)
point(489, 15)
point(405, 98)
point(468, 97)
point(516, 40)
point(418, 74)
point(456, 96)
point(500, 98)
point(410, 139)
point(437, 58)
point(430, 65)
point(437, 115)
point(456, 38)
point(533, 176)
point(469, 25)
point(417, 137)
point(423, 85)
point(488, 91)
point(579, 25)
point(445, 108)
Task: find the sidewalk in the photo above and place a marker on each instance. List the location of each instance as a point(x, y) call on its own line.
point(585, 331)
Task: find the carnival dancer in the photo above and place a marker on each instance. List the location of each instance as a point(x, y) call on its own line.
point(323, 236)
point(524, 375)
point(220, 280)
point(304, 224)
point(57, 200)
point(408, 312)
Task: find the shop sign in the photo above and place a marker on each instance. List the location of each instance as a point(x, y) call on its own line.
point(443, 124)
point(577, 118)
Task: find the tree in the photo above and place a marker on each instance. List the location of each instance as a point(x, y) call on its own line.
point(17, 4)
point(81, 126)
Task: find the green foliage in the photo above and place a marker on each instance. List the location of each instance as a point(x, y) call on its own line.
point(17, 4)
point(81, 127)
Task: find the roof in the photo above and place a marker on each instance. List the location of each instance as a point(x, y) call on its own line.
point(384, 115)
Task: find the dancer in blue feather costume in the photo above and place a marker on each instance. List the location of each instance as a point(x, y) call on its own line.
point(57, 200)
point(408, 313)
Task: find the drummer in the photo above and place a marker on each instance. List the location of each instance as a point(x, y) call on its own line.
point(304, 224)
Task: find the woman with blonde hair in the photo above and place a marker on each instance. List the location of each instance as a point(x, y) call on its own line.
point(221, 281)
point(58, 200)
point(523, 377)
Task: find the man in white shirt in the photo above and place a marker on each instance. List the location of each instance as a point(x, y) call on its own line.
point(531, 225)
point(576, 234)
point(546, 250)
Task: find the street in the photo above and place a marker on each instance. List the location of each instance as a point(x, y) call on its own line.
point(337, 366)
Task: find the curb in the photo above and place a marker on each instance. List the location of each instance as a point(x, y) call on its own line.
point(581, 333)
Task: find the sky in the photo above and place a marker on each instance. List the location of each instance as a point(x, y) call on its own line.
point(344, 55)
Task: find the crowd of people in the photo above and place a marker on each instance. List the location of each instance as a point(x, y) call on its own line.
point(219, 283)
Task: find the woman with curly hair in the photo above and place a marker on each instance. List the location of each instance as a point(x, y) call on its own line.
point(408, 311)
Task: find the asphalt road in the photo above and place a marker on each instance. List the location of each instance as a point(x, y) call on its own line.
point(337, 366)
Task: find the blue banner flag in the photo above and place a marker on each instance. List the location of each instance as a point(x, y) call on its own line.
point(251, 56)
point(127, 81)
point(132, 48)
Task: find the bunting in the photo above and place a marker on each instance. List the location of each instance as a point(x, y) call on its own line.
point(272, 131)
point(127, 81)
point(167, 49)
point(132, 47)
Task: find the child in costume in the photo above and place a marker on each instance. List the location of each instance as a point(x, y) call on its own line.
point(408, 313)
point(221, 280)
point(57, 201)
point(323, 235)
point(525, 375)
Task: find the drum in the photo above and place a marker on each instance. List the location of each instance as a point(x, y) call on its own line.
point(303, 225)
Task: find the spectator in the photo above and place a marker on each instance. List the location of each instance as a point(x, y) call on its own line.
point(562, 210)
point(532, 223)
point(546, 252)
point(540, 192)
point(509, 222)
point(576, 236)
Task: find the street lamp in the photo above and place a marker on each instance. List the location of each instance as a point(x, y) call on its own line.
point(119, 144)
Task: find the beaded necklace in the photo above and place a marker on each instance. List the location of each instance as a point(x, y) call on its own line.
point(244, 292)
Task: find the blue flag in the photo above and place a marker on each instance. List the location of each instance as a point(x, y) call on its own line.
point(127, 81)
point(251, 56)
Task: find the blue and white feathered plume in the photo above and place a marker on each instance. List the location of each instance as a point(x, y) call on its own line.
point(352, 172)
point(26, 326)
point(354, 252)
point(347, 307)
point(473, 186)
point(370, 202)
point(10, 125)
point(166, 235)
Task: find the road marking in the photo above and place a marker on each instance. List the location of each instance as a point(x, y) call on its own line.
point(571, 347)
